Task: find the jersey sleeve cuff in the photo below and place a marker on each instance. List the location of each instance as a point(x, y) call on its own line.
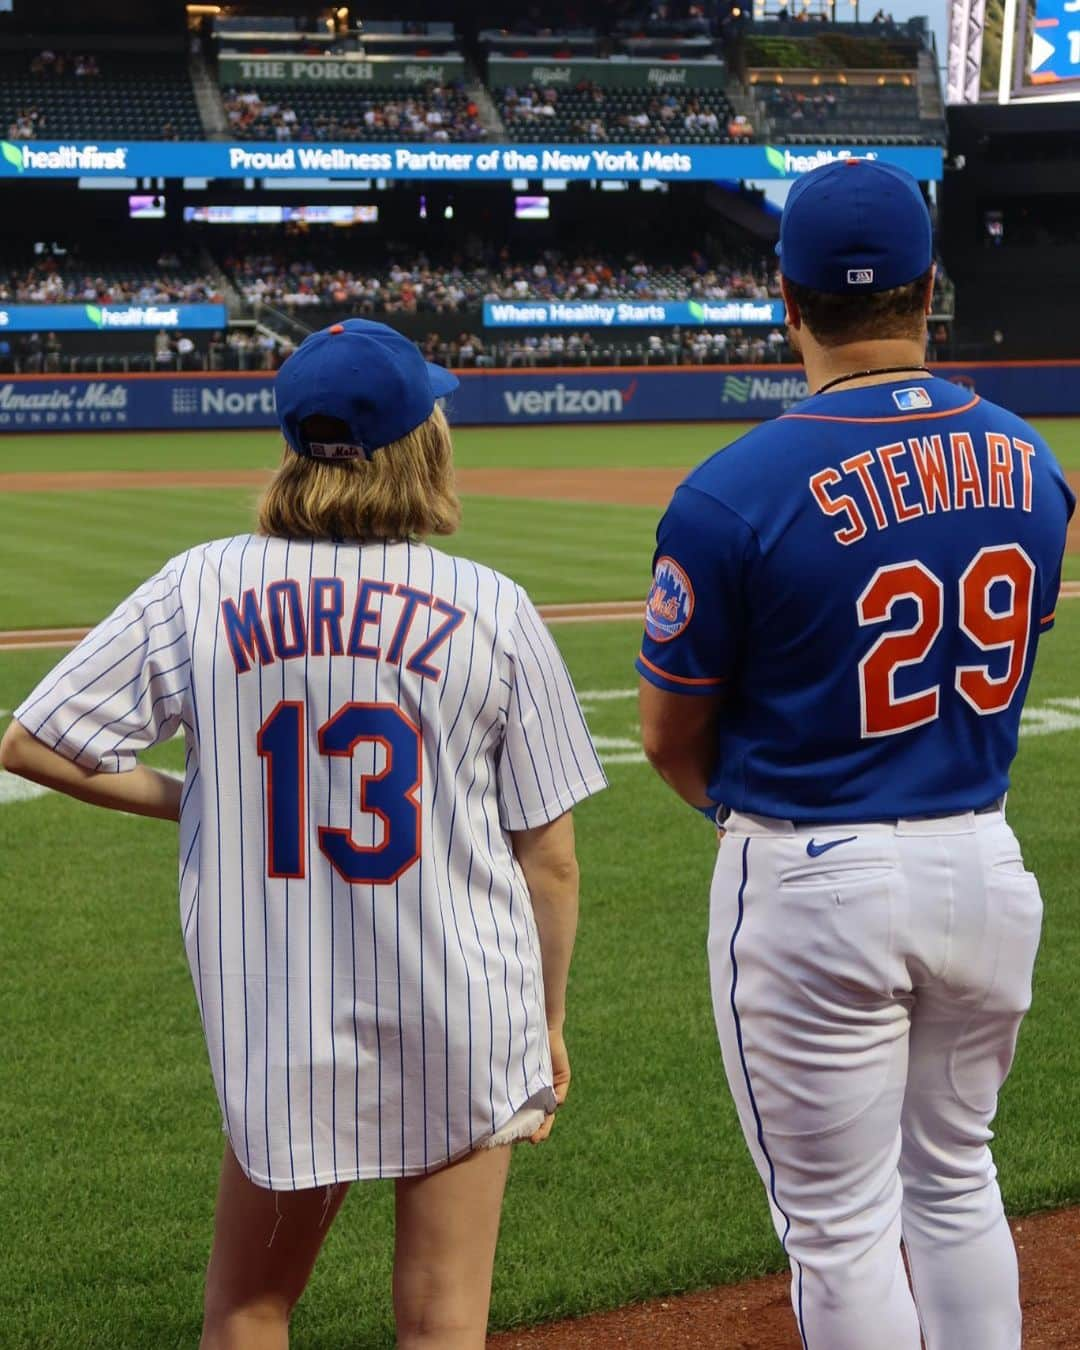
point(545, 812)
point(78, 752)
point(1047, 621)
point(111, 761)
point(676, 684)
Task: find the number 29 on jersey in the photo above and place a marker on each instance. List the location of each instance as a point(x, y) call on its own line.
point(1005, 572)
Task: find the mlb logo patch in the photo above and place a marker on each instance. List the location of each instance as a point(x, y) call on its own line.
point(860, 276)
point(335, 450)
point(671, 601)
point(908, 400)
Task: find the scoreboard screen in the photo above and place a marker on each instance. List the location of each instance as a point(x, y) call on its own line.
point(1014, 51)
point(1055, 42)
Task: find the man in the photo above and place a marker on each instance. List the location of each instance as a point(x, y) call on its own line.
point(185, 349)
point(840, 635)
point(164, 352)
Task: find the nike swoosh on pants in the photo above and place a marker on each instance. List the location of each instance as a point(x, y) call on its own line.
point(816, 850)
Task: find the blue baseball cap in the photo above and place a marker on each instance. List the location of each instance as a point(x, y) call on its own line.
point(366, 375)
point(855, 225)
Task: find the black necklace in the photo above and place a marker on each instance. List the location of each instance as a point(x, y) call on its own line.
point(881, 370)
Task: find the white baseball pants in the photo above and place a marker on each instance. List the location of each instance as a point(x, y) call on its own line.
point(868, 996)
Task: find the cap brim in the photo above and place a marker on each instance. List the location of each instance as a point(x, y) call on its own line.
point(443, 382)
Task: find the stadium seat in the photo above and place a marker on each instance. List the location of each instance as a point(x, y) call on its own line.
point(589, 113)
point(831, 112)
point(371, 113)
point(145, 97)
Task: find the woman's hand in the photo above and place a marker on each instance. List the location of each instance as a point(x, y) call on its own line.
point(560, 1077)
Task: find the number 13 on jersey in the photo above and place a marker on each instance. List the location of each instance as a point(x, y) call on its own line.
point(1006, 628)
point(389, 795)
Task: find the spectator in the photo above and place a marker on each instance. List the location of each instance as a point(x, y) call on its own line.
point(240, 346)
point(431, 112)
point(466, 351)
point(216, 352)
point(164, 355)
point(56, 280)
point(31, 354)
point(185, 349)
point(421, 286)
point(52, 353)
point(587, 113)
point(266, 345)
point(940, 342)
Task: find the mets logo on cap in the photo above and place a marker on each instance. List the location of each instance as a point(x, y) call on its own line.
point(671, 601)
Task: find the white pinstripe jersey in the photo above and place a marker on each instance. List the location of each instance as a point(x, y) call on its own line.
point(363, 726)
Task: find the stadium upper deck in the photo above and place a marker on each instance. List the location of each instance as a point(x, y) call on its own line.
point(55, 94)
point(702, 84)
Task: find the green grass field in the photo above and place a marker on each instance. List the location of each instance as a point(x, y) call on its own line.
point(85, 550)
point(109, 1131)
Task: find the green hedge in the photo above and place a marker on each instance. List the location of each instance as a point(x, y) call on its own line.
point(830, 51)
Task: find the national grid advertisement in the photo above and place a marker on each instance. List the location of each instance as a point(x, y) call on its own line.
point(493, 398)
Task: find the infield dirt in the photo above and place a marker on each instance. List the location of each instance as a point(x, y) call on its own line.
point(616, 487)
point(756, 1315)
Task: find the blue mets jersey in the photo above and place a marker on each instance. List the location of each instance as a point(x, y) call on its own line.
point(864, 580)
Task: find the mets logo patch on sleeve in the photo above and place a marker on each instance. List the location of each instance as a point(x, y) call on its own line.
point(908, 400)
point(671, 601)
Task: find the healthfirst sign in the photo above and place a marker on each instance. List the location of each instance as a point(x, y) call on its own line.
point(338, 70)
point(108, 318)
point(656, 75)
point(629, 313)
point(222, 159)
point(518, 398)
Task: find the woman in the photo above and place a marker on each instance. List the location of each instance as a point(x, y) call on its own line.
point(378, 887)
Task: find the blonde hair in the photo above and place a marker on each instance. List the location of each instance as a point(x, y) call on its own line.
point(404, 491)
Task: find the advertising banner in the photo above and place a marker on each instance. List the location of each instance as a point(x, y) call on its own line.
point(143, 402)
point(525, 398)
point(338, 70)
point(629, 313)
point(220, 159)
point(672, 394)
point(108, 318)
point(519, 71)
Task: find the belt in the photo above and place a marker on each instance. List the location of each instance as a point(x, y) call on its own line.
point(990, 809)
